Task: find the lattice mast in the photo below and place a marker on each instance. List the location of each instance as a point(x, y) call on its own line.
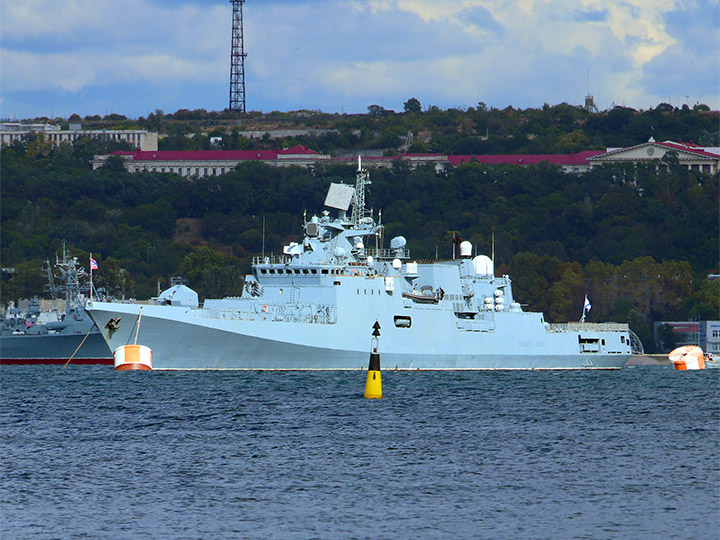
point(237, 59)
point(361, 181)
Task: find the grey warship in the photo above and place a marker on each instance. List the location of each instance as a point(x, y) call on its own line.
point(314, 307)
point(34, 336)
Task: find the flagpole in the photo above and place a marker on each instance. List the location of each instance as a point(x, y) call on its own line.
point(586, 308)
point(91, 283)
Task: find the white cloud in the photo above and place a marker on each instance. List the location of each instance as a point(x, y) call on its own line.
point(319, 54)
point(72, 72)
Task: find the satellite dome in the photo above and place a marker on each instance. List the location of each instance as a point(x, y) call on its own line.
point(398, 242)
point(483, 265)
point(465, 249)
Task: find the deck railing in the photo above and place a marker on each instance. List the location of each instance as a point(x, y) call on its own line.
point(588, 327)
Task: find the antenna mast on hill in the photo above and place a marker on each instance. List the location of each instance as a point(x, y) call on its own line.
point(237, 59)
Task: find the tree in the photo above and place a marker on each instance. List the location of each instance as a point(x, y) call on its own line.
point(26, 281)
point(114, 163)
point(705, 303)
point(194, 264)
point(667, 337)
point(376, 111)
point(671, 159)
point(412, 105)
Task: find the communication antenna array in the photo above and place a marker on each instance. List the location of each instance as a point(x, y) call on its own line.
point(237, 59)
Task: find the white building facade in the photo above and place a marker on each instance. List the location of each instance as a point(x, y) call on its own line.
point(689, 155)
point(137, 138)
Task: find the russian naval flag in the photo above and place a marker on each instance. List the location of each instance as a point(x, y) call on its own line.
point(586, 306)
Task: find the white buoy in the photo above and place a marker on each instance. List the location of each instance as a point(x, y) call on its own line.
point(687, 357)
point(129, 357)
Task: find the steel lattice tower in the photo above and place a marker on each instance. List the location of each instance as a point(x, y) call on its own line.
point(237, 59)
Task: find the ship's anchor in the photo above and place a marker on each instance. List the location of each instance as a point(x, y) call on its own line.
point(113, 324)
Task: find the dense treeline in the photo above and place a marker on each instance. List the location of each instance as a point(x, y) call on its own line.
point(560, 128)
point(639, 242)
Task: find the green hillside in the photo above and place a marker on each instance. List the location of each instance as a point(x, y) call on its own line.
point(639, 243)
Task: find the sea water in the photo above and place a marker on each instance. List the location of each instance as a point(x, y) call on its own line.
point(87, 452)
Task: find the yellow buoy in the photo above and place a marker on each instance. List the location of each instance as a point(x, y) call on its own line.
point(373, 385)
point(129, 357)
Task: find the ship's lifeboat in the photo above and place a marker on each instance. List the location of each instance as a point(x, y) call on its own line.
point(421, 298)
point(687, 357)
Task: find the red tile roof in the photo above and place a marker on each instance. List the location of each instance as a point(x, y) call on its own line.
point(214, 155)
point(579, 158)
point(297, 150)
point(687, 147)
point(200, 155)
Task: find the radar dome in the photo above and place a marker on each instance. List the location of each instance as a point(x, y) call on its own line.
point(483, 265)
point(465, 249)
point(398, 242)
point(339, 252)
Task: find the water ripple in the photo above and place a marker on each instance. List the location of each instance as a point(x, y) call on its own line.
point(90, 453)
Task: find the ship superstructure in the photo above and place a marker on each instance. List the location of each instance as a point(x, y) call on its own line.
point(54, 337)
point(314, 307)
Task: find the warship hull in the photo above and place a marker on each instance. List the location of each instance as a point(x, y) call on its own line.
point(330, 300)
point(194, 339)
point(54, 349)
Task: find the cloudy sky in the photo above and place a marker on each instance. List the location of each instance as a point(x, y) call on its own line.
point(131, 57)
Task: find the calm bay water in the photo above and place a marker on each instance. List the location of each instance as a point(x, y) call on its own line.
point(91, 453)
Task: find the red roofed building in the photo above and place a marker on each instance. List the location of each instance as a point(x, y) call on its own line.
point(217, 162)
point(575, 163)
point(689, 155)
point(209, 162)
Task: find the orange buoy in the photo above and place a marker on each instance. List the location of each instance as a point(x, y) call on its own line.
point(687, 357)
point(129, 357)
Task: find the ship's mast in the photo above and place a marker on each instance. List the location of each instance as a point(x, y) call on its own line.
point(362, 180)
